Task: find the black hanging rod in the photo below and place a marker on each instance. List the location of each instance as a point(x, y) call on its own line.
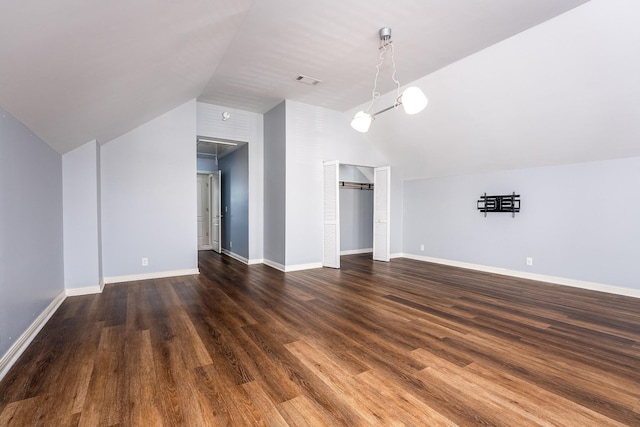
point(356, 185)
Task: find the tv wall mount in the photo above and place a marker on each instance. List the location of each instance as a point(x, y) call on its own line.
point(504, 203)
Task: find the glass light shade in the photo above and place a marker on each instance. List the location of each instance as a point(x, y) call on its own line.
point(362, 121)
point(413, 100)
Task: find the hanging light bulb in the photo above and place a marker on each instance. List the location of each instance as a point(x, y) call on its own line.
point(413, 100)
point(362, 121)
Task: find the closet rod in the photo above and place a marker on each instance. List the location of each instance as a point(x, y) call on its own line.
point(356, 185)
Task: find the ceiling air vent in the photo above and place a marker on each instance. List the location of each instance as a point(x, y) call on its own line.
point(308, 80)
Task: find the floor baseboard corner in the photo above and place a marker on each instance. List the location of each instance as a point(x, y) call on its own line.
point(21, 344)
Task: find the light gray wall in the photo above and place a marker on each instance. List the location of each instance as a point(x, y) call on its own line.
point(275, 184)
point(247, 127)
point(397, 213)
point(354, 173)
point(578, 221)
point(207, 164)
point(149, 196)
point(356, 219)
point(356, 210)
point(82, 260)
point(313, 135)
point(99, 213)
point(235, 201)
point(31, 240)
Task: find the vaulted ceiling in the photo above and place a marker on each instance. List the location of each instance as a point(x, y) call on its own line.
point(508, 85)
point(76, 70)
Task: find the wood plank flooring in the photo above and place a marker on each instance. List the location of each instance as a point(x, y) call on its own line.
point(399, 343)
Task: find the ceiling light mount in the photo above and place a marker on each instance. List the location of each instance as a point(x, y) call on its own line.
point(412, 99)
point(385, 35)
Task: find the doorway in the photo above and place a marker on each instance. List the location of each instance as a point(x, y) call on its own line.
point(379, 211)
point(209, 211)
point(225, 168)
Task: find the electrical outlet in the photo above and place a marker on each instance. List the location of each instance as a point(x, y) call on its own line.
point(145, 262)
point(422, 247)
point(529, 260)
point(230, 244)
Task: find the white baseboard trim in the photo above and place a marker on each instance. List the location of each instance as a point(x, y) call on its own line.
point(397, 255)
point(147, 276)
point(274, 264)
point(235, 256)
point(206, 248)
point(300, 267)
point(357, 251)
point(88, 290)
point(531, 276)
point(243, 259)
point(290, 268)
point(21, 344)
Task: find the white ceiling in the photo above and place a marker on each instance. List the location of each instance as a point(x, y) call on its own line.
point(336, 41)
point(509, 86)
point(77, 70)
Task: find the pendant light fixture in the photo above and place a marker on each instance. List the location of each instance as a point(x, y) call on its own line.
point(412, 99)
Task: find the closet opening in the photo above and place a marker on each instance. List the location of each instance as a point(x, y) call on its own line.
point(362, 225)
point(355, 189)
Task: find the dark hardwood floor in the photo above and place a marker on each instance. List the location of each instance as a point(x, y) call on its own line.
point(399, 343)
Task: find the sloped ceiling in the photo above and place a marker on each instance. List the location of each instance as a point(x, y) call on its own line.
point(74, 71)
point(565, 91)
point(337, 42)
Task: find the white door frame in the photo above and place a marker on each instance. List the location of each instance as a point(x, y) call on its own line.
point(206, 246)
point(331, 214)
point(382, 213)
point(215, 191)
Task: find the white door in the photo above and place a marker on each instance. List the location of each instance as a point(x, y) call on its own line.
point(331, 216)
point(381, 213)
point(203, 213)
point(215, 181)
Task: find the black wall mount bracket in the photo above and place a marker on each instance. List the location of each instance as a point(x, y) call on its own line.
point(504, 203)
